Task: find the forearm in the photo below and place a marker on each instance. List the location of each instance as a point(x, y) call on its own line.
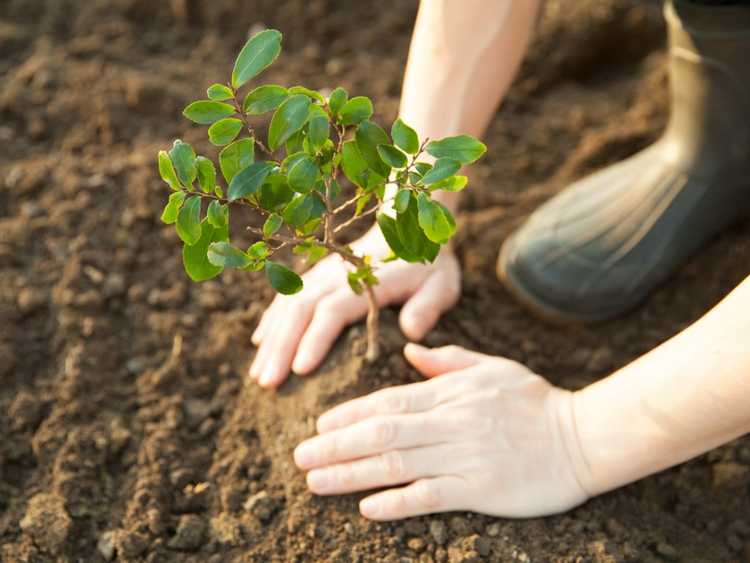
point(687, 396)
point(462, 59)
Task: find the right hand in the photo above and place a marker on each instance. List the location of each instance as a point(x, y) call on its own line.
point(297, 331)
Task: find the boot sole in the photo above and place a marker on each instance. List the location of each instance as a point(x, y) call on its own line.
point(539, 307)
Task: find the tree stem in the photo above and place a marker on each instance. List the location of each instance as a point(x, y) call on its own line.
point(373, 326)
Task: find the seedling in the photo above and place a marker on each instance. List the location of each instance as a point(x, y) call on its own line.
point(294, 185)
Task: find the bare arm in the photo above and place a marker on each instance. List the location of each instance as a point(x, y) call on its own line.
point(462, 59)
point(683, 398)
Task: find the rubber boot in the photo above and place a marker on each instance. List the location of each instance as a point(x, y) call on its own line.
point(599, 247)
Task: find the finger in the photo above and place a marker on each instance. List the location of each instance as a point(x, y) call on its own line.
point(343, 307)
point(281, 343)
point(331, 315)
point(256, 368)
point(403, 399)
point(437, 361)
point(425, 496)
point(390, 468)
point(315, 280)
point(437, 294)
point(265, 320)
point(372, 436)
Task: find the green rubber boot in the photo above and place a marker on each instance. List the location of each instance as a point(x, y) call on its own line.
point(599, 247)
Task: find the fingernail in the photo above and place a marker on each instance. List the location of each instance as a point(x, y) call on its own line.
point(304, 455)
point(317, 480)
point(265, 379)
point(370, 507)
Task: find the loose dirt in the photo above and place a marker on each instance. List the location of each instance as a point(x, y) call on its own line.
point(125, 429)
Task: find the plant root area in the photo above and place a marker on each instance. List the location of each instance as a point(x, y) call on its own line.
point(127, 432)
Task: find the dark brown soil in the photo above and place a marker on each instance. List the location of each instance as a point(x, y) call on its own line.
point(125, 429)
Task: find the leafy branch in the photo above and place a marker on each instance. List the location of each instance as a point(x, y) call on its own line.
point(311, 141)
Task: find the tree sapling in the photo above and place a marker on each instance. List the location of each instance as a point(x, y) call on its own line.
point(294, 184)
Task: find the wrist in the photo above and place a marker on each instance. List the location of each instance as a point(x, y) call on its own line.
point(566, 408)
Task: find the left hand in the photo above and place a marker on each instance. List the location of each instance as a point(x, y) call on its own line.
point(488, 436)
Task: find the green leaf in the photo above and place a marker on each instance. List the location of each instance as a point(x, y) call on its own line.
point(307, 92)
point(451, 184)
point(303, 209)
point(264, 98)
point(218, 214)
point(318, 128)
point(288, 119)
point(390, 233)
point(405, 237)
point(189, 221)
point(361, 277)
point(368, 136)
point(258, 250)
point(435, 220)
point(282, 279)
point(195, 259)
point(206, 112)
point(392, 156)
point(353, 165)
point(206, 173)
point(272, 224)
point(275, 192)
point(401, 201)
point(405, 137)
point(219, 93)
point(296, 142)
point(356, 110)
point(411, 234)
point(259, 52)
point(235, 157)
point(337, 99)
point(361, 203)
point(302, 174)
point(249, 180)
point(169, 215)
point(225, 255)
point(334, 188)
point(167, 172)
point(442, 169)
point(224, 131)
point(183, 158)
point(312, 252)
point(463, 148)
point(354, 283)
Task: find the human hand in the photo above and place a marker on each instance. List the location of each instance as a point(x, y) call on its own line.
point(488, 436)
point(297, 331)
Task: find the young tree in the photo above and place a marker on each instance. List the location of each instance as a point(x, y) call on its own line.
point(295, 183)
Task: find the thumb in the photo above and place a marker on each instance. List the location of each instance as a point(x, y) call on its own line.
point(438, 361)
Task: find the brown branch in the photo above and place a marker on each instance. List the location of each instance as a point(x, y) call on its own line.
point(356, 218)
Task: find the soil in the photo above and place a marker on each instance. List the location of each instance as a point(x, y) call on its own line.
point(125, 429)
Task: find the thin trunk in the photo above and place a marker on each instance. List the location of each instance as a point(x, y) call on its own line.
point(373, 342)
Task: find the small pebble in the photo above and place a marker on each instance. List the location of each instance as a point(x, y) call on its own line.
point(439, 531)
point(667, 551)
point(190, 532)
point(416, 544)
point(460, 525)
point(106, 545)
point(493, 530)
